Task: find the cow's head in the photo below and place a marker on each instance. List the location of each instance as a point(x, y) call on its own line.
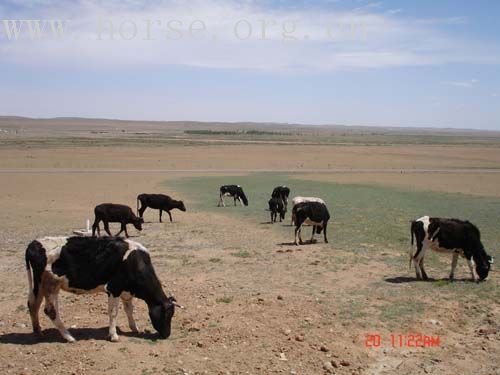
point(161, 316)
point(137, 222)
point(181, 206)
point(483, 266)
point(242, 195)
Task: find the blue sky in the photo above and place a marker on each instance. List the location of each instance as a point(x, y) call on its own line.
point(355, 62)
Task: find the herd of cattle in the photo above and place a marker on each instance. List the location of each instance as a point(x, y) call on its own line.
point(122, 268)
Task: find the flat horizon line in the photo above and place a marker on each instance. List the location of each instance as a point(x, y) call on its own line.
point(258, 123)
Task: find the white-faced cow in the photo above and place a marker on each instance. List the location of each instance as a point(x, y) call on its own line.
point(450, 236)
point(115, 213)
point(234, 191)
point(282, 192)
point(314, 213)
point(276, 206)
point(298, 200)
point(159, 202)
point(121, 268)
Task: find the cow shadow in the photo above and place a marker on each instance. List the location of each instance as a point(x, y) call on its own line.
point(306, 243)
point(406, 279)
point(52, 335)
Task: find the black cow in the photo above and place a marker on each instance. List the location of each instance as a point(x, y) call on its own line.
point(121, 268)
point(234, 191)
point(158, 202)
point(276, 206)
point(450, 236)
point(314, 213)
point(115, 213)
point(282, 192)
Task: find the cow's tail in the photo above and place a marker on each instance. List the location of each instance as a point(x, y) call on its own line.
point(412, 230)
point(35, 266)
point(30, 278)
point(137, 209)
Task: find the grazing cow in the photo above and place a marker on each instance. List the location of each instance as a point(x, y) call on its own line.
point(234, 191)
point(159, 202)
point(121, 268)
point(281, 192)
point(450, 236)
point(115, 213)
point(298, 200)
point(276, 206)
point(314, 213)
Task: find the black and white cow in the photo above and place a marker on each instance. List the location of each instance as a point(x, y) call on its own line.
point(115, 213)
point(276, 206)
point(158, 202)
point(121, 268)
point(282, 192)
point(314, 213)
point(234, 191)
point(450, 236)
point(297, 200)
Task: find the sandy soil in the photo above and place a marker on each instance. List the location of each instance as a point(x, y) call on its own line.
point(255, 303)
point(253, 157)
point(481, 184)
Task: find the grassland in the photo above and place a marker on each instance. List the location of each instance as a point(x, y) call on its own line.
point(256, 303)
point(364, 217)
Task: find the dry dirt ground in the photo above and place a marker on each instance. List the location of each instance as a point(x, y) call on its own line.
point(254, 303)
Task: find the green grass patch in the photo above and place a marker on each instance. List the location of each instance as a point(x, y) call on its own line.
point(241, 254)
point(365, 218)
point(225, 299)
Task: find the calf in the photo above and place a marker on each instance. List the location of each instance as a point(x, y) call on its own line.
point(314, 213)
point(121, 268)
point(450, 236)
point(159, 202)
point(115, 213)
point(298, 200)
point(281, 192)
point(234, 191)
point(276, 206)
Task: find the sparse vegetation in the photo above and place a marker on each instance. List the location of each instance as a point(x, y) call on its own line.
point(241, 254)
point(225, 299)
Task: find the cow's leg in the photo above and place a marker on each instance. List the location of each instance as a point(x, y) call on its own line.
point(161, 212)
point(470, 263)
point(221, 200)
point(169, 215)
point(95, 227)
point(34, 303)
point(272, 217)
point(142, 209)
point(125, 230)
point(454, 261)
point(417, 257)
point(297, 234)
point(106, 228)
point(129, 310)
point(424, 274)
point(113, 307)
point(312, 235)
point(324, 232)
point(234, 200)
point(122, 228)
point(52, 311)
